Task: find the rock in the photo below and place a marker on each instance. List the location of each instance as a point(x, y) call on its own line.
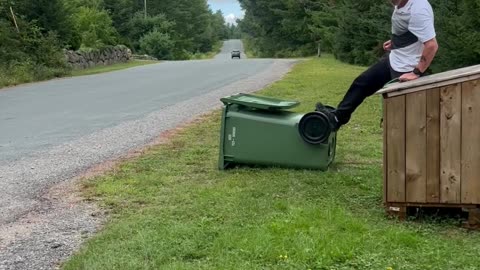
point(56, 245)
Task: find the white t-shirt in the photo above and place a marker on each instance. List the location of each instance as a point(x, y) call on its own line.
point(417, 17)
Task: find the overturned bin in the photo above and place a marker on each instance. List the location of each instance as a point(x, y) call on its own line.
point(261, 131)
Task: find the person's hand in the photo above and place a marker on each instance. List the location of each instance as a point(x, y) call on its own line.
point(387, 46)
point(408, 77)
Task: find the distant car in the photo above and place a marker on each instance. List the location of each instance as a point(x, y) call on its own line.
point(236, 54)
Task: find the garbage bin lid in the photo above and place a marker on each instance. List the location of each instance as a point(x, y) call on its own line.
point(258, 102)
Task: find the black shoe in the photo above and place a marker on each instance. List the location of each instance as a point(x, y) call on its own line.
point(329, 111)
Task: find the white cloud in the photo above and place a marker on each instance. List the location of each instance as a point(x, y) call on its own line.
point(231, 18)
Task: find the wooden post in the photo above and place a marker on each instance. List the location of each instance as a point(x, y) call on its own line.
point(145, 5)
point(14, 19)
point(319, 52)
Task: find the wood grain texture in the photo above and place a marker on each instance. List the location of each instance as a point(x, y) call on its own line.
point(433, 145)
point(396, 149)
point(450, 143)
point(385, 151)
point(407, 90)
point(432, 81)
point(470, 185)
point(416, 147)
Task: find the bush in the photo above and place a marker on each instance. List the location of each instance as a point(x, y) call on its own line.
point(95, 28)
point(139, 26)
point(16, 73)
point(30, 55)
point(157, 44)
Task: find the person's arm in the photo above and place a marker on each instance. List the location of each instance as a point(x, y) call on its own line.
point(429, 51)
point(421, 24)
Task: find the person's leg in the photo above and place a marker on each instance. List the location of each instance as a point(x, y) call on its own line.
point(365, 85)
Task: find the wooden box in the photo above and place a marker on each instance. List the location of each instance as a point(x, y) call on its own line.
point(432, 141)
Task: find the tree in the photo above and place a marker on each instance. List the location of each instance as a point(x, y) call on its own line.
point(457, 25)
point(139, 26)
point(49, 16)
point(95, 27)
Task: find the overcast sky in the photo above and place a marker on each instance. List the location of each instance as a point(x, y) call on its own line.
point(231, 9)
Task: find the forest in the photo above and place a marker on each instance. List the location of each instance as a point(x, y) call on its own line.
point(354, 30)
point(33, 34)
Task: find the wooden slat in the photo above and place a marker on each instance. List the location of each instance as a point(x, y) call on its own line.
point(416, 147)
point(434, 78)
point(433, 145)
point(450, 143)
point(471, 142)
point(396, 149)
point(385, 151)
point(411, 89)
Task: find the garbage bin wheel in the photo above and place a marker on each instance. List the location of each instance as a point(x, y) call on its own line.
point(315, 128)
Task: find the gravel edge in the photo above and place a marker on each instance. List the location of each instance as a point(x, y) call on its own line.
point(55, 220)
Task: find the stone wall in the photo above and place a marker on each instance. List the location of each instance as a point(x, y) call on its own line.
point(101, 57)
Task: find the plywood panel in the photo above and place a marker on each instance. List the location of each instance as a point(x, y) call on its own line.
point(450, 143)
point(396, 149)
point(471, 142)
point(416, 147)
point(433, 145)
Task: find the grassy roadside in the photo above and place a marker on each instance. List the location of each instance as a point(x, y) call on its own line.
point(114, 67)
point(248, 48)
point(17, 79)
point(172, 209)
point(217, 47)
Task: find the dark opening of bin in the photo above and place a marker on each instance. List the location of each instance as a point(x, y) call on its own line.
point(315, 128)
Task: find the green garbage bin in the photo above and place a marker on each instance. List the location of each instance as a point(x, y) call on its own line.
point(262, 131)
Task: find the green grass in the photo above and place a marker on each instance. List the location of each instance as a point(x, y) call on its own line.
point(249, 49)
point(22, 73)
point(114, 67)
point(217, 47)
point(172, 208)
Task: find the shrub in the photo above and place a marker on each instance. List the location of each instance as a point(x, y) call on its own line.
point(95, 27)
point(157, 44)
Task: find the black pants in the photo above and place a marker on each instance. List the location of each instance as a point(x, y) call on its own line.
point(365, 85)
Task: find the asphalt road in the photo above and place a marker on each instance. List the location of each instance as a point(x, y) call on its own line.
point(228, 47)
point(38, 116)
point(50, 131)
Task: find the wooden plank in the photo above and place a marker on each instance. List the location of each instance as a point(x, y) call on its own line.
point(471, 142)
point(436, 205)
point(407, 90)
point(385, 151)
point(433, 145)
point(396, 149)
point(434, 78)
point(450, 143)
point(416, 147)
